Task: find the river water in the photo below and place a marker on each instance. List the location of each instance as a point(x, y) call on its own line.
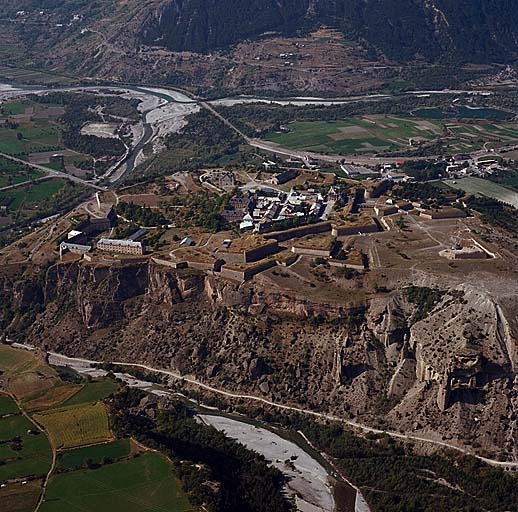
point(313, 483)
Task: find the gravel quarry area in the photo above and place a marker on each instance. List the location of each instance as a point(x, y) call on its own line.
point(309, 482)
point(103, 130)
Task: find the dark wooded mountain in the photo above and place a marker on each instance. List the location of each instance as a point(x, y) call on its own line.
point(468, 30)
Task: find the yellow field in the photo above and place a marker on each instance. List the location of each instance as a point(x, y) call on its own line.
point(78, 425)
point(33, 382)
point(12, 359)
point(50, 397)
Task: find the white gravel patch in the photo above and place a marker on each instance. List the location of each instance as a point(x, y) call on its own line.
point(309, 482)
point(147, 103)
point(166, 120)
point(298, 102)
point(103, 130)
point(174, 95)
point(137, 132)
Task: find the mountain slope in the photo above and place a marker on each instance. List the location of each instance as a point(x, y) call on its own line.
point(468, 30)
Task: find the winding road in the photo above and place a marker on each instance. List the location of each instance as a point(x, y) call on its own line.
point(51, 173)
point(308, 412)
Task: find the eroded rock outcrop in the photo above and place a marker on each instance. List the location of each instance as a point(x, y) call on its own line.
point(410, 361)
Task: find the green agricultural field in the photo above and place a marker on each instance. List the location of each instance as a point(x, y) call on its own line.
point(479, 186)
point(378, 134)
point(15, 107)
point(31, 138)
point(24, 451)
point(32, 194)
point(19, 136)
point(12, 359)
point(28, 76)
point(93, 392)
point(142, 484)
point(7, 406)
point(12, 173)
point(6, 180)
point(78, 458)
point(358, 135)
point(78, 425)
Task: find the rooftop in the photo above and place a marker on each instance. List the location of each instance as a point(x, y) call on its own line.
point(119, 243)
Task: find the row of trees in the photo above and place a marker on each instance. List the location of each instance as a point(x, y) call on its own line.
point(217, 472)
point(396, 479)
point(141, 215)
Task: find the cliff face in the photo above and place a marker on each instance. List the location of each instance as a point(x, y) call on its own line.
point(443, 373)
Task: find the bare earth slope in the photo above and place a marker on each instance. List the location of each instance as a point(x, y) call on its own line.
point(446, 371)
point(317, 46)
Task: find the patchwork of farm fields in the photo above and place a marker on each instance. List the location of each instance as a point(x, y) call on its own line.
point(141, 484)
point(378, 134)
point(12, 173)
point(93, 471)
point(31, 194)
point(24, 450)
point(38, 136)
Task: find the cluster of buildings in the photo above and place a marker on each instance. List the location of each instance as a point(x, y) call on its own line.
point(268, 209)
point(462, 165)
point(47, 16)
point(79, 240)
point(245, 257)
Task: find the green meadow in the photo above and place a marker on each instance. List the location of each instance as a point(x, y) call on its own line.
point(24, 451)
point(145, 483)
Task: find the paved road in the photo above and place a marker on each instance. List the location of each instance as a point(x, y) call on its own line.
point(329, 158)
point(22, 183)
point(271, 147)
point(307, 412)
point(51, 173)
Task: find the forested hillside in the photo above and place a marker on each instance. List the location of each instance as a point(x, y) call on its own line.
point(468, 30)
